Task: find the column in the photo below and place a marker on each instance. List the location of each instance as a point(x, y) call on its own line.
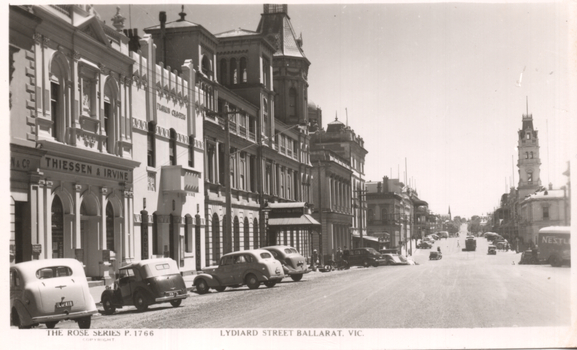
point(48, 218)
point(77, 244)
point(40, 223)
point(102, 233)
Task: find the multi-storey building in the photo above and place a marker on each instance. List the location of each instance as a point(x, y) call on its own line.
point(253, 103)
point(390, 213)
point(339, 145)
point(72, 158)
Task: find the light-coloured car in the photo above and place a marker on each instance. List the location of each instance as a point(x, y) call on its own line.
point(293, 263)
point(248, 267)
point(48, 291)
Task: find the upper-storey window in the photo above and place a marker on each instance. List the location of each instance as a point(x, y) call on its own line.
point(109, 117)
point(528, 136)
point(265, 123)
point(172, 147)
point(243, 72)
point(58, 96)
point(266, 73)
point(233, 72)
point(292, 103)
point(191, 151)
point(206, 65)
point(223, 72)
point(151, 144)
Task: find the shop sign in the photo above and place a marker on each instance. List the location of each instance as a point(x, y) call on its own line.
point(76, 167)
point(172, 112)
point(36, 248)
point(23, 163)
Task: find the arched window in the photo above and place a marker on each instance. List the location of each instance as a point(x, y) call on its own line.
point(246, 234)
point(57, 228)
point(58, 97)
point(223, 72)
point(215, 238)
point(172, 147)
point(531, 155)
point(236, 234)
point(292, 113)
point(255, 236)
point(526, 155)
point(233, 72)
point(243, 72)
point(109, 227)
point(206, 65)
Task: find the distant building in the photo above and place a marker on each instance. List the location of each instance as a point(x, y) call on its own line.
point(339, 161)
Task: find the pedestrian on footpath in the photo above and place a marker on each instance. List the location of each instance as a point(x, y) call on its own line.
point(315, 258)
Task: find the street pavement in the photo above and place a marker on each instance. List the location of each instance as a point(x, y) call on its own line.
point(462, 290)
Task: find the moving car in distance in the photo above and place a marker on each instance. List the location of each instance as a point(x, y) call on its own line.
point(48, 291)
point(147, 282)
point(248, 267)
point(293, 263)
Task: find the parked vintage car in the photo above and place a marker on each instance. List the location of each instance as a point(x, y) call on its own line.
point(248, 267)
point(293, 263)
point(424, 244)
point(394, 259)
point(147, 282)
point(48, 291)
point(363, 257)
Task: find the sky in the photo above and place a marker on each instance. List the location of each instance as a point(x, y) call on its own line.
point(440, 87)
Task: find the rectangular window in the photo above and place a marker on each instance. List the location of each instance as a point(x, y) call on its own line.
point(151, 145)
point(191, 151)
point(241, 171)
point(54, 106)
point(545, 213)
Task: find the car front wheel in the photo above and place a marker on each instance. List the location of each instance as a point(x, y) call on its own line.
point(270, 284)
point(201, 286)
point(556, 261)
point(220, 289)
point(84, 323)
point(252, 282)
point(107, 305)
point(366, 264)
point(140, 302)
point(297, 278)
point(51, 325)
point(176, 303)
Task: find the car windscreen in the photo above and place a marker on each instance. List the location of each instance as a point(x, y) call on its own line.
point(372, 251)
point(53, 271)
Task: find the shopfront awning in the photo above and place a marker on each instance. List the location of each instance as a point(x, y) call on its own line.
point(303, 220)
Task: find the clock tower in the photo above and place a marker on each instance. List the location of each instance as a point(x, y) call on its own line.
point(290, 65)
point(528, 157)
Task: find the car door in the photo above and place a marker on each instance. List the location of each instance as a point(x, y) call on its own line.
point(125, 285)
point(241, 263)
point(225, 270)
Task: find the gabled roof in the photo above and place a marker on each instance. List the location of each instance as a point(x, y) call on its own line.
point(236, 32)
point(91, 26)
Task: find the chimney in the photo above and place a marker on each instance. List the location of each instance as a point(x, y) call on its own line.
point(379, 187)
point(386, 184)
point(162, 19)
